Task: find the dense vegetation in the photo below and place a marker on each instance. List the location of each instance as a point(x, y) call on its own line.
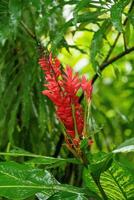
point(94, 37)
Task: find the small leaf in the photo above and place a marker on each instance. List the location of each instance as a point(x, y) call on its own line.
point(127, 146)
point(116, 13)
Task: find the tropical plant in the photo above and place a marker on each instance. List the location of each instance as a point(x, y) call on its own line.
point(75, 141)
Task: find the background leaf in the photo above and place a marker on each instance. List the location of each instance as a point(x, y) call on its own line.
point(116, 13)
point(127, 146)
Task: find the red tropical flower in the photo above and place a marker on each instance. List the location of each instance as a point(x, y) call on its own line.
point(62, 88)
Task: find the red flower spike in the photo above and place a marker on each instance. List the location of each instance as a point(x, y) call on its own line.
point(63, 93)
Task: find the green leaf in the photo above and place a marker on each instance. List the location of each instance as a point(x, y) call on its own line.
point(12, 122)
point(131, 17)
point(50, 162)
point(100, 164)
point(118, 183)
point(89, 17)
point(4, 21)
point(39, 159)
point(67, 195)
point(116, 13)
point(88, 181)
point(127, 146)
point(15, 7)
point(96, 43)
point(19, 181)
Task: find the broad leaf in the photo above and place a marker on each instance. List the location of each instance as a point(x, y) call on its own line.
point(100, 164)
point(18, 181)
point(88, 181)
point(118, 183)
point(125, 147)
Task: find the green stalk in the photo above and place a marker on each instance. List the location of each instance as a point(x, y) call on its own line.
point(74, 119)
point(85, 119)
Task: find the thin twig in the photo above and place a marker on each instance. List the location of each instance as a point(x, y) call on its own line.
point(106, 64)
point(28, 30)
point(112, 60)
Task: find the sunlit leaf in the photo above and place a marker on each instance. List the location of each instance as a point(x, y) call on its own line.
point(118, 182)
point(127, 146)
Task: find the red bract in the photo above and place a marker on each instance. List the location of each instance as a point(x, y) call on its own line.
point(62, 88)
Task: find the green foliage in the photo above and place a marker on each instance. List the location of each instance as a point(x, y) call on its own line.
point(20, 181)
point(89, 36)
point(116, 14)
point(126, 146)
point(97, 42)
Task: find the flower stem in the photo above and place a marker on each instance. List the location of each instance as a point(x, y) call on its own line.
point(74, 119)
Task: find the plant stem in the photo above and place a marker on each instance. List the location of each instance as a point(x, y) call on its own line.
point(106, 64)
point(74, 119)
point(29, 31)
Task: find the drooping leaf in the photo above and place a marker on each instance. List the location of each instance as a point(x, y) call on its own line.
point(12, 122)
point(116, 13)
point(118, 182)
point(15, 7)
point(127, 146)
point(131, 17)
point(50, 162)
point(96, 44)
point(4, 21)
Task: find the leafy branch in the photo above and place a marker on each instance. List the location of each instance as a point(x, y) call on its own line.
point(112, 60)
point(106, 64)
